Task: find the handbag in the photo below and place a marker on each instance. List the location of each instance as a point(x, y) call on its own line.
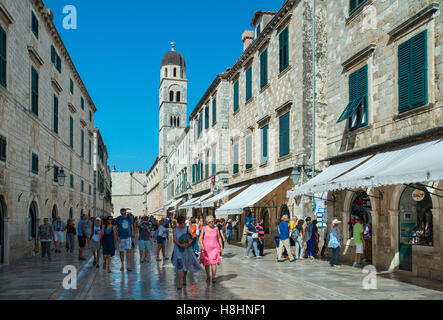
point(255, 235)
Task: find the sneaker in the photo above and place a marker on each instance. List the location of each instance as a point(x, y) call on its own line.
point(259, 257)
point(166, 258)
point(356, 265)
point(158, 259)
point(293, 260)
point(281, 260)
point(247, 257)
point(336, 266)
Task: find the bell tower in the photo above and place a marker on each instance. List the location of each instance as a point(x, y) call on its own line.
point(173, 99)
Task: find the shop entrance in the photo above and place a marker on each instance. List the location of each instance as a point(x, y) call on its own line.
point(415, 223)
point(361, 207)
point(2, 232)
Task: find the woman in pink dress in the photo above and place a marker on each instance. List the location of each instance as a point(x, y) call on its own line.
point(210, 247)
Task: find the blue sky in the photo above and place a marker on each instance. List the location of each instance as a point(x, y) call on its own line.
point(117, 49)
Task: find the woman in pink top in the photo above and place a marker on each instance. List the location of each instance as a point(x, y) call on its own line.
point(210, 247)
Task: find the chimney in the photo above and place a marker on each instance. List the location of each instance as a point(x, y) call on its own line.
point(247, 38)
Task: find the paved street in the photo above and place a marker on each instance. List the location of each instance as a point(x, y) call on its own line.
point(238, 278)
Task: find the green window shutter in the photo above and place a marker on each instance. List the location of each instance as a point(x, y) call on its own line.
point(404, 71)
point(214, 110)
point(249, 83)
point(82, 137)
point(90, 152)
point(418, 83)
point(248, 145)
point(53, 58)
point(206, 117)
point(59, 64)
point(264, 68)
point(71, 132)
point(284, 49)
point(55, 114)
point(265, 143)
point(236, 96)
point(193, 173)
point(2, 148)
point(34, 91)
point(258, 29)
point(214, 161)
point(284, 135)
point(34, 163)
point(71, 86)
point(34, 25)
point(71, 181)
point(82, 103)
point(2, 57)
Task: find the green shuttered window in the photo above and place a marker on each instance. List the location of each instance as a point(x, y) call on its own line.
point(214, 110)
point(412, 73)
point(235, 168)
point(55, 58)
point(264, 68)
point(249, 83)
point(264, 145)
point(71, 86)
point(355, 4)
point(34, 25)
point(55, 126)
point(248, 145)
point(71, 132)
point(214, 161)
point(34, 91)
point(284, 135)
point(284, 49)
point(3, 144)
point(34, 163)
point(82, 140)
point(206, 117)
point(90, 152)
point(2, 57)
point(236, 96)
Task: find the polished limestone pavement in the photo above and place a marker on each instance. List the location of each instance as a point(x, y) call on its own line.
point(237, 278)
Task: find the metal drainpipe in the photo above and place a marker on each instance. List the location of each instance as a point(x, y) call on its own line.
point(313, 95)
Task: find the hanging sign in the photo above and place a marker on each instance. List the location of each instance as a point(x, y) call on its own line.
point(418, 195)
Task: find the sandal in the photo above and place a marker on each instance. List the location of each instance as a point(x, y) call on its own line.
point(214, 281)
point(208, 280)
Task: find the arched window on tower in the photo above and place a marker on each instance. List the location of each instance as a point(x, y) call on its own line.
point(178, 96)
point(175, 121)
point(175, 72)
point(166, 72)
point(171, 96)
point(171, 121)
point(178, 121)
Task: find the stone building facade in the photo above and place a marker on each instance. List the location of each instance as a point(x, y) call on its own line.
point(129, 191)
point(102, 202)
point(46, 127)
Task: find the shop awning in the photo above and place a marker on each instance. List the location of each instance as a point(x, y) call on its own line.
point(174, 203)
point(419, 163)
point(195, 202)
point(319, 183)
point(249, 197)
point(211, 202)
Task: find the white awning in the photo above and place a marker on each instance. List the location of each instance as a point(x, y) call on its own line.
point(174, 203)
point(195, 202)
point(249, 197)
point(419, 163)
point(211, 202)
point(320, 182)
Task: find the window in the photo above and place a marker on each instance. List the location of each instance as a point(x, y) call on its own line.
point(90, 151)
point(284, 135)
point(412, 73)
point(284, 49)
point(71, 86)
point(71, 181)
point(71, 132)
point(264, 68)
point(34, 91)
point(235, 169)
point(206, 117)
point(248, 145)
point(264, 144)
point(82, 103)
point(178, 121)
point(249, 83)
point(56, 60)
point(178, 96)
point(34, 163)
point(55, 177)
point(214, 110)
point(82, 186)
point(82, 141)
point(355, 4)
point(171, 96)
point(90, 116)
point(194, 172)
point(34, 24)
point(175, 72)
point(236, 97)
point(200, 125)
point(207, 165)
point(2, 57)
point(357, 108)
point(199, 170)
point(55, 124)
point(214, 160)
point(166, 72)
point(90, 188)
point(3, 148)
point(258, 30)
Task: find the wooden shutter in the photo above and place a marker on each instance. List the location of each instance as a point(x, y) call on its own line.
point(2, 148)
point(265, 143)
point(206, 117)
point(2, 57)
point(236, 97)
point(284, 135)
point(418, 82)
point(249, 83)
point(404, 71)
point(214, 110)
point(71, 132)
point(82, 143)
point(53, 58)
point(264, 68)
point(284, 49)
point(55, 114)
point(34, 91)
point(352, 6)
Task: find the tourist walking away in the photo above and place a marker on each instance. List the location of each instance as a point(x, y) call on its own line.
point(313, 239)
point(46, 235)
point(108, 243)
point(183, 257)
point(83, 231)
point(335, 238)
point(144, 236)
point(306, 235)
point(220, 229)
point(261, 237)
point(297, 234)
point(59, 228)
point(161, 240)
point(95, 243)
point(292, 225)
point(70, 235)
point(283, 228)
point(125, 237)
point(276, 238)
point(359, 242)
point(210, 248)
point(252, 237)
point(194, 228)
point(229, 234)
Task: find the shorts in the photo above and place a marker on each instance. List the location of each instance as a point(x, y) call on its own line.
point(59, 236)
point(292, 242)
point(95, 245)
point(81, 241)
point(161, 240)
point(359, 248)
point(143, 245)
point(277, 242)
point(125, 244)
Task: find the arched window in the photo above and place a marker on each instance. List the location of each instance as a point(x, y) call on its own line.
point(171, 96)
point(166, 72)
point(178, 96)
point(175, 72)
point(32, 215)
point(265, 217)
point(285, 210)
point(178, 121)
point(54, 213)
point(71, 214)
point(81, 213)
point(175, 122)
point(171, 121)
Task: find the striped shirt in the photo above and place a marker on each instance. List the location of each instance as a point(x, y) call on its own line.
point(260, 230)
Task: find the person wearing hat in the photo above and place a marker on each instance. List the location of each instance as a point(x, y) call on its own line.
point(335, 238)
point(95, 244)
point(252, 236)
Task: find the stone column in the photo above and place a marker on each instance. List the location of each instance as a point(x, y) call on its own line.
point(394, 239)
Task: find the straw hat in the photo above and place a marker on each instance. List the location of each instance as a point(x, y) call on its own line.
point(336, 221)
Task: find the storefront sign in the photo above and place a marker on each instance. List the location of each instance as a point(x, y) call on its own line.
point(320, 212)
point(418, 195)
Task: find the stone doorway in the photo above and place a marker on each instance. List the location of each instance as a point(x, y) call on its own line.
point(361, 207)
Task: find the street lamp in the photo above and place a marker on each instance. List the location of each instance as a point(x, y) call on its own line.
point(295, 175)
point(61, 176)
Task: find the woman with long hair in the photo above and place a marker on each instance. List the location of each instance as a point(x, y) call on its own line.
point(109, 239)
point(210, 248)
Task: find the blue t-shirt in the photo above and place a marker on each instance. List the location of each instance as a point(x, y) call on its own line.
point(124, 227)
point(251, 228)
point(167, 223)
point(80, 229)
point(284, 230)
